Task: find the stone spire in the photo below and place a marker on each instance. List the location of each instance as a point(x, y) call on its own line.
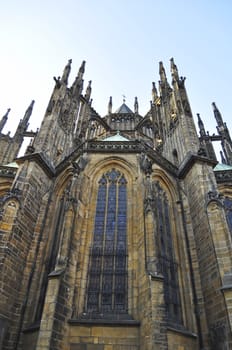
point(27, 115)
point(162, 73)
point(110, 105)
point(88, 91)
point(66, 72)
point(217, 115)
point(4, 119)
point(154, 93)
point(78, 83)
point(28, 112)
point(174, 70)
point(201, 126)
point(23, 124)
point(163, 83)
point(136, 106)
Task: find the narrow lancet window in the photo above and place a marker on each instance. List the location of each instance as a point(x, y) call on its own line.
point(107, 273)
point(228, 210)
point(167, 263)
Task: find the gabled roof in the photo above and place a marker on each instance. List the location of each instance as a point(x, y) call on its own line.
point(124, 109)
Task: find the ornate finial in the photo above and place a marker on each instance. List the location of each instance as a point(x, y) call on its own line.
point(7, 112)
point(174, 70)
point(217, 114)
point(201, 125)
point(78, 83)
point(124, 98)
point(110, 105)
point(4, 119)
point(154, 93)
point(88, 91)
point(82, 68)
point(66, 72)
point(162, 72)
point(28, 112)
point(136, 106)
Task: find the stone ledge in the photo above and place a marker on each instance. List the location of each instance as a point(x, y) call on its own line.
point(104, 322)
point(33, 328)
point(6, 171)
point(156, 276)
point(41, 160)
point(184, 332)
point(226, 287)
point(190, 160)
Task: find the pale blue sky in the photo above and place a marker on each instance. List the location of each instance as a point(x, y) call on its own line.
point(122, 42)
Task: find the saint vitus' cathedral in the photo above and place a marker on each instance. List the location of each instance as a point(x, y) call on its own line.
point(116, 231)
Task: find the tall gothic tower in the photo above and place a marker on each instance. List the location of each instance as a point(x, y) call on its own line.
point(115, 231)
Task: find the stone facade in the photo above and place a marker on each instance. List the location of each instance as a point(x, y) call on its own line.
point(115, 231)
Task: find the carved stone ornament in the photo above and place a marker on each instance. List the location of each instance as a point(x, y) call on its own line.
point(145, 164)
point(215, 196)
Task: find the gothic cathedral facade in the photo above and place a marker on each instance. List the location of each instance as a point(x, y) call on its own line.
point(116, 231)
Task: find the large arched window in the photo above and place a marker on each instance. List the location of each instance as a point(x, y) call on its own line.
point(107, 273)
point(167, 263)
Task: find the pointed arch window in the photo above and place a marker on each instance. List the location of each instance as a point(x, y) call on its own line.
point(107, 273)
point(167, 263)
point(228, 210)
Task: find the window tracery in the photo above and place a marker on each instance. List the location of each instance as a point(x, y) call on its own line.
point(107, 275)
point(167, 263)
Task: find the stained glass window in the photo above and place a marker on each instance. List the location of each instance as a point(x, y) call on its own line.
point(107, 275)
point(167, 263)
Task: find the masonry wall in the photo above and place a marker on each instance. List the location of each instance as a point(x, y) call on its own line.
point(17, 226)
point(199, 182)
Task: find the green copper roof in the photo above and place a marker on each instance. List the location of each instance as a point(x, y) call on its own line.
point(116, 137)
point(220, 167)
point(124, 109)
point(12, 165)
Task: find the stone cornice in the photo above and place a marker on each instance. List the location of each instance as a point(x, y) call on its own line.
point(106, 322)
point(223, 176)
point(6, 171)
point(118, 147)
point(189, 161)
point(40, 159)
point(160, 160)
point(114, 146)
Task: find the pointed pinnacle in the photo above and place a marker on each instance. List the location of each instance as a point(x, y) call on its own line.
point(82, 68)
point(110, 104)
point(7, 112)
point(29, 111)
point(154, 92)
point(162, 72)
point(174, 69)
point(66, 72)
point(217, 114)
point(136, 105)
point(4, 119)
point(201, 125)
point(88, 91)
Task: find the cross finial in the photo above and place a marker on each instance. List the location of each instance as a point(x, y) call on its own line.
point(124, 98)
